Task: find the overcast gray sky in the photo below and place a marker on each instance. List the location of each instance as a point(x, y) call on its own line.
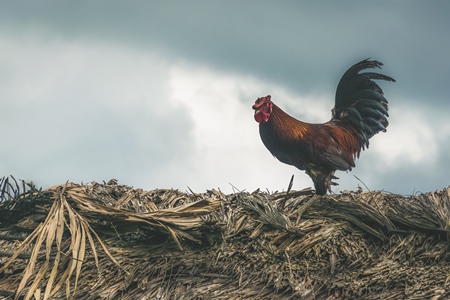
point(158, 94)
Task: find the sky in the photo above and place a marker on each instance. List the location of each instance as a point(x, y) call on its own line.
point(158, 94)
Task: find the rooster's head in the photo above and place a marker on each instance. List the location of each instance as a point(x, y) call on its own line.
point(263, 109)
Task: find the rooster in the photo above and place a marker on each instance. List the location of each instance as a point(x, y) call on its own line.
point(360, 112)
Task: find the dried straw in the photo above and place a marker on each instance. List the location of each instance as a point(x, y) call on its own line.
point(110, 241)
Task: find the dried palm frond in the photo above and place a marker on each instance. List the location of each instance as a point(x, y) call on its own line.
point(50, 234)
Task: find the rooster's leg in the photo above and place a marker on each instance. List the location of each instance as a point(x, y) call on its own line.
point(305, 206)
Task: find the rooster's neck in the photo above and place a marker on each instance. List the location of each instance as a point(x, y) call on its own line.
point(286, 124)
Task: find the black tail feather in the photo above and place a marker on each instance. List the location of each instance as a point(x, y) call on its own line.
point(360, 100)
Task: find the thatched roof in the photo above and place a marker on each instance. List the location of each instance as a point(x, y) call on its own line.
point(111, 241)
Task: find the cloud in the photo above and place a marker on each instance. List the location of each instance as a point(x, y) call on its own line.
point(410, 139)
point(303, 46)
point(78, 111)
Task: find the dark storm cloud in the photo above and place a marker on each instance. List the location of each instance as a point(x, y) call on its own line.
point(303, 45)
